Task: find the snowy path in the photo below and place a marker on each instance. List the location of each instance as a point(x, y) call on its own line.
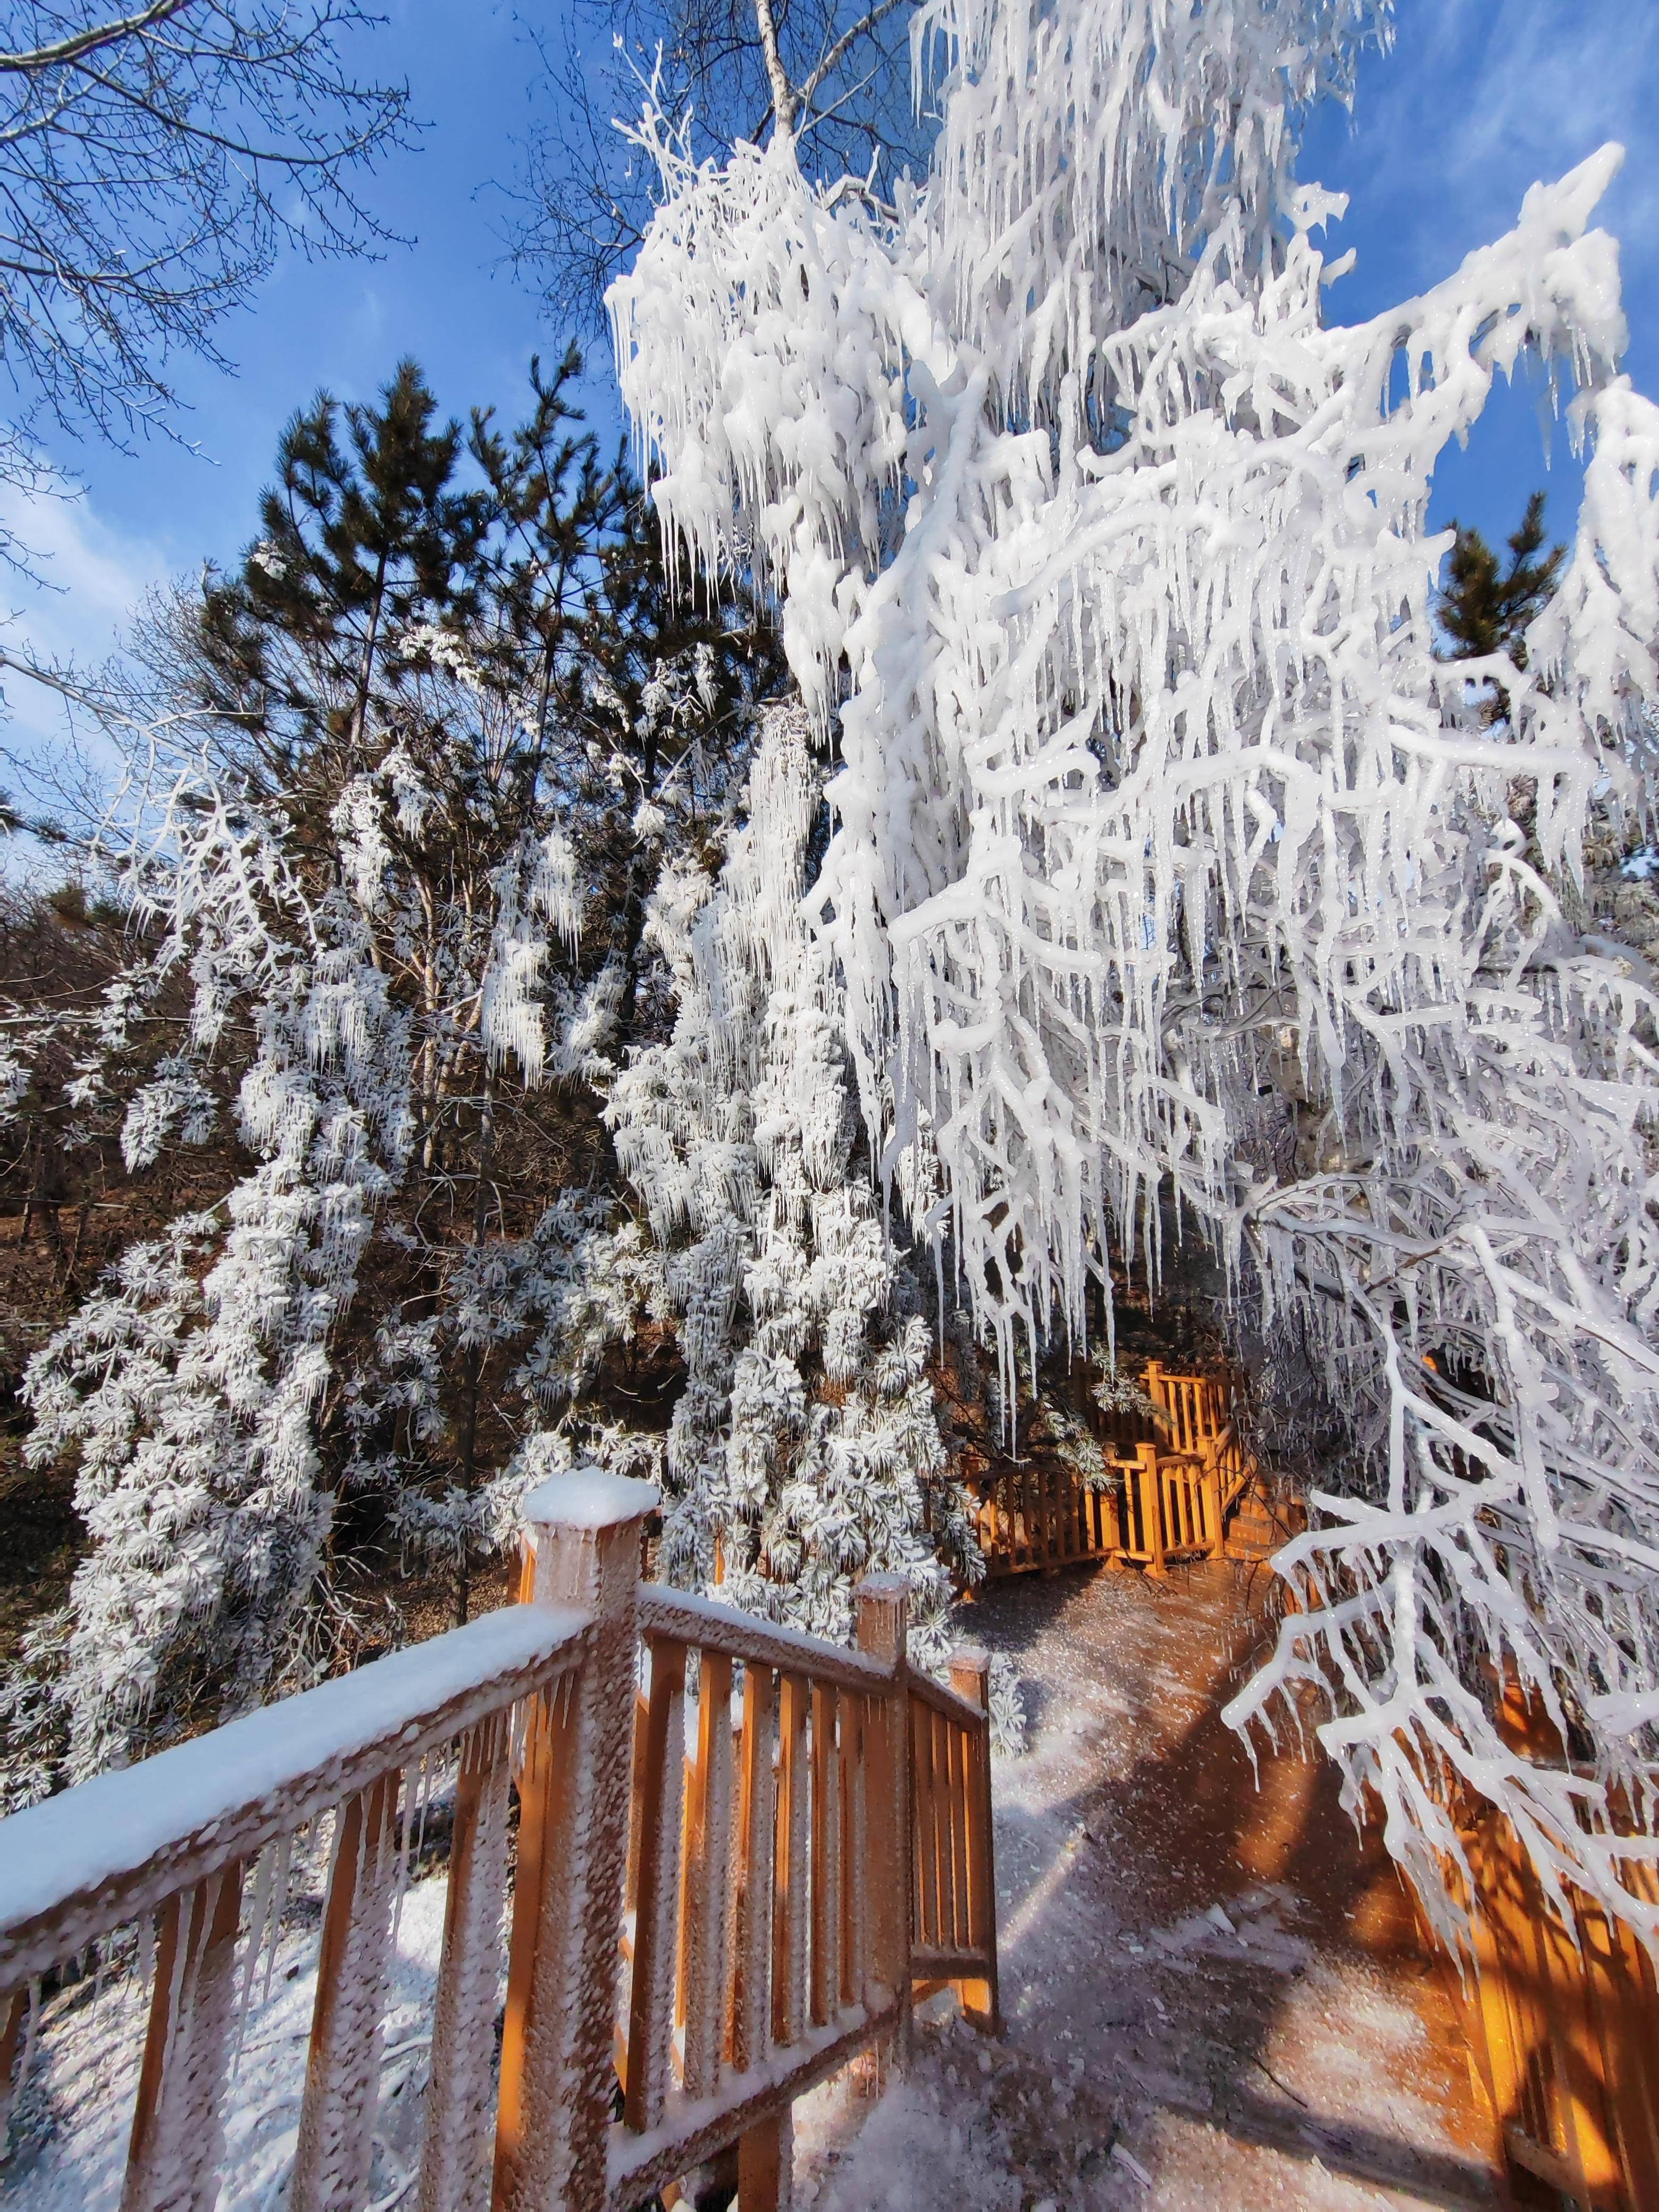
point(1215, 1999)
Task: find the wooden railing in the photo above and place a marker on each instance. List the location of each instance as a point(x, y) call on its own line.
point(1172, 1509)
point(704, 1922)
point(1158, 1502)
point(1038, 1518)
point(1562, 2019)
point(1560, 2012)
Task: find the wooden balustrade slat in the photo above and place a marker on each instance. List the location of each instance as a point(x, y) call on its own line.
point(826, 1838)
point(636, 1800)
point(925, 1834)
point(751, 2010)
point(337, 2115)
point(960, 1743)
point(944, 1742)
point(706, 1917)
point(460, 2094)
point(938, 1744)
point(854, 1852)
point(939, 1750)
point(790, 1865)
point(938, 1845)
point(14, 2012)
point(178, 2123)
point(765, 2164)
point(651, 2002)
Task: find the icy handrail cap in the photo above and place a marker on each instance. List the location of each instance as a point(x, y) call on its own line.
point(587, 1498)
point(883, 1585)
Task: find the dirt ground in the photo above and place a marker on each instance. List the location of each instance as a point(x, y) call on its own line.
point(1214, 1993)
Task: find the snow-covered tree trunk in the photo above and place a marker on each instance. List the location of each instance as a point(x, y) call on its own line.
point(1169, 861)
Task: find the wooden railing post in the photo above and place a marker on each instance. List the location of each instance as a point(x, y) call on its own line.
point(970, 1678)
point(1152, 1505)
point(883, 1616)
point(557, 2076)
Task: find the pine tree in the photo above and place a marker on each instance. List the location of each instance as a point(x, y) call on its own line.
point(1173, 877)
point(1485, 610)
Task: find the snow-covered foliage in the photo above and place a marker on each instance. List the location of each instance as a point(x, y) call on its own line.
point(188, 1384)
point(804, 1452)
point(1169, 861)
point(192, 1385)
point(397, 792)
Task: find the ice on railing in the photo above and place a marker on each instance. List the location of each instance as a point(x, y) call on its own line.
point(120, 1821)
point(74, 2111)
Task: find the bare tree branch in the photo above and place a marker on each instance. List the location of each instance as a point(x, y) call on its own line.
point(834, 74)
point(82, 43)
point(842, 47)
point(152, 166)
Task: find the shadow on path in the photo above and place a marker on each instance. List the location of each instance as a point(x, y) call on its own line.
point(1223, 1943)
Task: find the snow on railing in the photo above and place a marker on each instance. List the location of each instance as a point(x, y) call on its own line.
point(711, 1921)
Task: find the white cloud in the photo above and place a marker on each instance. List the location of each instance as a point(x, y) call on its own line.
point(1479, 102)
point(93, 578)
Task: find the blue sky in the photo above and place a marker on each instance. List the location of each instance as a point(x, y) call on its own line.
point(1477, 100)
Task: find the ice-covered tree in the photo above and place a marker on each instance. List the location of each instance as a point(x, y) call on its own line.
point(189, 1385)
point(396, 787)
point(1171, 867)
point(804, 1452)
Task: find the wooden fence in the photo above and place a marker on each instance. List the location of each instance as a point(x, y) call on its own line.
point(1561, 2014)
point(1157, 1503)
point(703, 1923)
point(1563, 2027)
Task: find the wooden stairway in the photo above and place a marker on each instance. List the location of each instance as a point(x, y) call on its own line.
point(1177, 1500)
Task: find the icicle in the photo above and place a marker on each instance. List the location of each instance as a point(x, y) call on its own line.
point(259, 1913)
point(1169, 863)
point(278, 1906)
